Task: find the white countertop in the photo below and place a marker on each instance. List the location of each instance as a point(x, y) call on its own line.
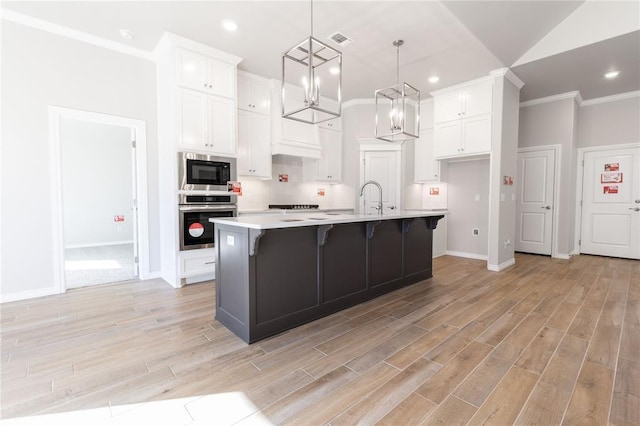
point(290, 211)
point(294, 220)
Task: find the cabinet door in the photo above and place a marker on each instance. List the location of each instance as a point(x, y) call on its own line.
point(261, 145)
point(448, 106)
point(222, 125)
point(191, 70)
point(329, 168)
point(261, 97)
point(426, 168)
point(447, 139)
point(244, 94)
point(244, 143)
point(192, 119)
point(478, 99)
point(222, 78)
point(476, 135)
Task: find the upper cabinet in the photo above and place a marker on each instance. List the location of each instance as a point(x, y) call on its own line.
point(426, 168)
point(462, 119)
point(329, 167)
point(254, 94)
point(466, 102)
point(199, 72)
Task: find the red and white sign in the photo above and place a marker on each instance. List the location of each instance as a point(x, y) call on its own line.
point(611, 177)
point(611, 189)
point(611, 167)
point(118, 218)
point(434, 190)
point(196, 230)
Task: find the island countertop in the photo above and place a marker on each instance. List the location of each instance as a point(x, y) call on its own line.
point(294, 220)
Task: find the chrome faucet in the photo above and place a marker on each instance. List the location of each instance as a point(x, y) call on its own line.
point(373, 182)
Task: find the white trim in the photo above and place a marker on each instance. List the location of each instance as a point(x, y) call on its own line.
point(560, 97)
point(466, 255)
point(175, 40)
point(563, 256)
point(612, 98)
point(502, 266)
point(509, 75)
point(555, 223)
point(361, 101)
point(110, 243)
point(56, 114)
point(580, 184)
point(574, 252)
point(154, 276)
point(30, 294)
point(39, 24)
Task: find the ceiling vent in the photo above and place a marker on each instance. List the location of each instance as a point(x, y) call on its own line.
point(340, 39)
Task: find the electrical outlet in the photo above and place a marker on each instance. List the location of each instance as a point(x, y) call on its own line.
point(507, 243)
point(475, 232)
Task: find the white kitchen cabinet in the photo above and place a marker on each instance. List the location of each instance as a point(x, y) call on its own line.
point(254, 147)
point(334, 124)
point(469, 101)
point(205, 122)
point(456, 138)
point(254, 93)
point(462, 119)
point(426, 168)
point(329, 167)
point(199, 72)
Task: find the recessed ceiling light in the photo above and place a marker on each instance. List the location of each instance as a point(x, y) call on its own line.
point(334, 70)
point(126, 34)
point(434, 79)
point(612, 74)
point(229, 25)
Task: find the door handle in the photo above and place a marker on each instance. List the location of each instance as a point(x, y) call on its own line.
point(546, 207)
point(635, 209)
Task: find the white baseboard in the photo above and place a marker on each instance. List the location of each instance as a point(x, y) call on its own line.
point(152, 275)
point(564, 256)
point(502, 266)
point(23, 295)
point(439, 254)
point(110, 243)
point(574, 252)
point(467, 255)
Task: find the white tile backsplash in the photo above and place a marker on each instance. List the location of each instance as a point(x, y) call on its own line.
point(300, 189)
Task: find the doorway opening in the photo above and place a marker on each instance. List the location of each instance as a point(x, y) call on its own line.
point(100, 185)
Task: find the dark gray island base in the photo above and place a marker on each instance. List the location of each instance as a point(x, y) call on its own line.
point(271, 280)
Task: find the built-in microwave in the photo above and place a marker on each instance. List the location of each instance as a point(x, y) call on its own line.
point(198, 172)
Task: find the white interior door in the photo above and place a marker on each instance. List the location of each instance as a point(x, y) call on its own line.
point(382, 167)
point(534, 219)
point(611, 203)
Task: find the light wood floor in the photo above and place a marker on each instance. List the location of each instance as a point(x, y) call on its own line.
point(545, 342)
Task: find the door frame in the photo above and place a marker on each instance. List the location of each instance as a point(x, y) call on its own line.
point(557, 149)
point(580, 186)
point(375, 145)
point(56, 115)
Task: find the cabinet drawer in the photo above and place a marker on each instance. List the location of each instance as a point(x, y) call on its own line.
point(200, 265)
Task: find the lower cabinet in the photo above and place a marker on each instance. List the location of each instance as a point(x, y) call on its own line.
point(272, 280)
point(197, 263)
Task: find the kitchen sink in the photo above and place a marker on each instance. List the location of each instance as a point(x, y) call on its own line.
point(317, 218)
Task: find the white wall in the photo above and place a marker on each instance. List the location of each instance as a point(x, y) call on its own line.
point(38, 70)
point(609, 123)
point(553, 123)
point(97, 183)
point(468, 205)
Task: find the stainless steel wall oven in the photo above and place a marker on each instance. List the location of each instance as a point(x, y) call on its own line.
point(196, 231)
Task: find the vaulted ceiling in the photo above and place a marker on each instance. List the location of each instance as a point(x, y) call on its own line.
point(553, 46)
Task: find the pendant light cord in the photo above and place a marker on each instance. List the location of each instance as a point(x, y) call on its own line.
point(398, 65)
point(311, 18)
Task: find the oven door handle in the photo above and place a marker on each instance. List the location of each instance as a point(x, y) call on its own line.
point(189, 208)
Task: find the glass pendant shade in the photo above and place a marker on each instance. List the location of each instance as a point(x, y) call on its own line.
point(397, 110)
point(311, 82)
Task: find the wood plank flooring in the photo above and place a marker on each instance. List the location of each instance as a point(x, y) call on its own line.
point(545, 342)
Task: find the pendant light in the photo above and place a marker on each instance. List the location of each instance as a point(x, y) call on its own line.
point(311, 81)
point(397, 108)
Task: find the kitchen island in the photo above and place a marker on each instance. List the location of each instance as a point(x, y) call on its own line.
point(276, 272)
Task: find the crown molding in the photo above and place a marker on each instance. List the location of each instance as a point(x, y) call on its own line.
point(612, 98)
point(30, 21)
point(562, 96)
point(461, 85)
point(509, 75)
